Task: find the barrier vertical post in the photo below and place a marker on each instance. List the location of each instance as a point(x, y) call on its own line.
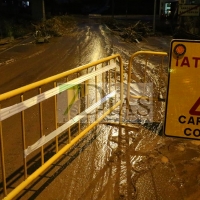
point(96, 98)
point(109, 78)
point(145, 74)
point(87, 102)
point(103, 86)
point(23, 138)
point(121, 90)
point(55, 116)
point(41, 127)
point(115, 82)
point(128, 85)
point(68, 114)
point(2, 160)
point(79, 108)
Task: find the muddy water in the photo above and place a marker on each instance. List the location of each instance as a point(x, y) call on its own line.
point(137, 163)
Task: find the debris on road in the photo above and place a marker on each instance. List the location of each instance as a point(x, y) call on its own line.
point(54, 27)
point(136, 32)
point(131, 32)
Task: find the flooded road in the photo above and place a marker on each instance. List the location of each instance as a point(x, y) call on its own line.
point(141, 163)
point(27, 62)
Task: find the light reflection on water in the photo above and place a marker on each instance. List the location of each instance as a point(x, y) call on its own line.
point(111, 165)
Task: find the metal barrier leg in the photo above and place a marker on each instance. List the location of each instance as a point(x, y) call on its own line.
point(79, 109)
point(2, 160)
point(68, 115)
point(115, 75)
point(41, 127)
point(87, 96)
point(96, 97)
point(55, 116)
point(23, 139)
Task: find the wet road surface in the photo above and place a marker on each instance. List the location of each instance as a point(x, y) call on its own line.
point(139, 164)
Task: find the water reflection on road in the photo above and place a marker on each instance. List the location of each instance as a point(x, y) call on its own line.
point(111, 164)
point(105, 165)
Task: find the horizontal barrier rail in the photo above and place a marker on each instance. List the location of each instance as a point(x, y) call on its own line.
point(100, 77)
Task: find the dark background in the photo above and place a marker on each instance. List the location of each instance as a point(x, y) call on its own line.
point(104, 7)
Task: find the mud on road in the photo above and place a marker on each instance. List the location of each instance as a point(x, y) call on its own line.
point(139, 164)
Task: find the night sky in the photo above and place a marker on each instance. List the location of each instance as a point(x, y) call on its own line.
point(106, 6)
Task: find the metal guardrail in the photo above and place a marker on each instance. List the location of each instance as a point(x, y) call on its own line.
point(96, 72)
point(102, 74)
point(144, 58)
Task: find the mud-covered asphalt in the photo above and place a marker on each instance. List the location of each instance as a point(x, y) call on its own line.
point(140, 164)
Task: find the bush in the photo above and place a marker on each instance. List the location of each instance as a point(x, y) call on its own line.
point(14, 28)
point(55, 26)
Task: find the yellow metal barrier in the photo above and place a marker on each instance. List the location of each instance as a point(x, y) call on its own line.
point(143, 59)
point(104, 70)
point(82, 87)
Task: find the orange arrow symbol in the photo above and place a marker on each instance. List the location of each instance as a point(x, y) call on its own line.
point(193, 110)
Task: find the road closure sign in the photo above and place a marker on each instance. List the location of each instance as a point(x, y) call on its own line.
point(182, 116)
